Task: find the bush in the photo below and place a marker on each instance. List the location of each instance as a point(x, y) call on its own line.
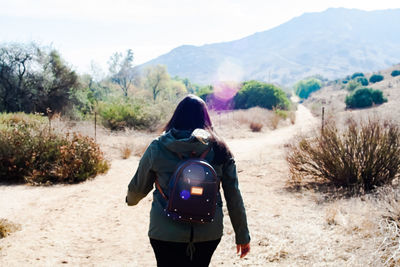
point(254, 93)
point(362, 156)
point(363, 81)
point(376, 78)
point(7, 227)
point(281, 113)
point(122, 114)
point(364, 97)
point(352, 85)
point(31, 153)
point(305, 87)
point(357, 74)
point(395, 73)
point(255, 126)
point(204, 92)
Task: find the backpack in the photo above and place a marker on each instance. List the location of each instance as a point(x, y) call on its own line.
point(192, 190)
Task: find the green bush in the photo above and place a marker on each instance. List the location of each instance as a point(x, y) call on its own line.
point(126, 114)
point(395, 73)
point(357, 74)
point(352, 85)
point(375, 78)
point(281, 113)
point(204, 92)
point(31, 153)
point(364, 155)
point(363, 81)
point(254, 93)
point(305, 87)
point(364, 97)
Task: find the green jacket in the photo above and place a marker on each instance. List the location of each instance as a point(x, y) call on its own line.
point(160, 160)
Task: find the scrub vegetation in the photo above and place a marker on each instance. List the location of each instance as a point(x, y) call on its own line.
point(7, 227)
point(360, 157)
point(32, 152)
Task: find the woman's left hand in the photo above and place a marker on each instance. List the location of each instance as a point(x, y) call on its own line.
point(244, 249)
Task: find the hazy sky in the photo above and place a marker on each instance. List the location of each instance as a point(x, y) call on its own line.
point(88, 30)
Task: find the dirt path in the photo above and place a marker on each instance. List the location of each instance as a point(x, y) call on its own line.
point(89, 223)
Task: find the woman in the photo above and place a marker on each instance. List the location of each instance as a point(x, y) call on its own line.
point(178, 243)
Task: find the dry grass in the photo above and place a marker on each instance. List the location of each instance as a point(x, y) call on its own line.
point(388, 250)
point(362, 156)
point(292, 117)
point(7, 227)
point(275, 121)
point(236, 123)
point(126, 151)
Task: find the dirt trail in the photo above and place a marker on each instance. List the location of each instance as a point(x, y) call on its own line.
point(89, 223)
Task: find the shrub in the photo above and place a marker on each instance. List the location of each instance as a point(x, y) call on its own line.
point(292, 117)
point(254, 93)
point(395, 73)
point(364, 97)
point(275, 121)
point(376, 78)
point(281, 113)
point(7, 227)
point(363, 81)
point(124, 114)
point(204, 92)
point(30, 152)
point(126, 151)
point(364, 155)
point(357, 74)
point(305, 87)
point(255, 126)
point(352, 85)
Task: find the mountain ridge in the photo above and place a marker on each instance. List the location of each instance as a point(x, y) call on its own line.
point(332, 43)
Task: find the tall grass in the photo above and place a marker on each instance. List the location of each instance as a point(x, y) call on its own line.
point(362, 156)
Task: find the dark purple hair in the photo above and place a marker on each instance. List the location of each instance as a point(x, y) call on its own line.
point(191, 113)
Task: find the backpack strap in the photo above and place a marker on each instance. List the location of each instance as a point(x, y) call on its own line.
point(204, 154)
point(159, 189)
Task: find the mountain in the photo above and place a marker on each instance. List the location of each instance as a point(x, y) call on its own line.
point(332, 43)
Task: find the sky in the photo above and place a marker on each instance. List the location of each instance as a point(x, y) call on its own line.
point(86, 31)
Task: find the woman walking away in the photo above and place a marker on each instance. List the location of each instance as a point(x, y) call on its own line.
point(187, 164)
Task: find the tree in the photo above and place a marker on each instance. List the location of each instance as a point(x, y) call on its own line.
point(14, 62)
point(156, 78)
point(34, 78)
point(254, 93)
point(174, 90)
point(122, 71)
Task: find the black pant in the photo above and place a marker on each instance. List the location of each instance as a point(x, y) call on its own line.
point(173, 254)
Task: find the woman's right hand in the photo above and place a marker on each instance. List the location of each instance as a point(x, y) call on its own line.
point(243, 249)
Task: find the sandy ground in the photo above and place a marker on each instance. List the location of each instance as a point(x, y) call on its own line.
point(89, 224)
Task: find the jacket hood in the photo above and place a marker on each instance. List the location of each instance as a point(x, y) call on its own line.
point(180, 141)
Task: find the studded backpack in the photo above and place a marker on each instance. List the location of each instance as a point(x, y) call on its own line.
point(192, 190)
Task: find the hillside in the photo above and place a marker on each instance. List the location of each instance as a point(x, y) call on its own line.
point(332, 43)
point(334, 97)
